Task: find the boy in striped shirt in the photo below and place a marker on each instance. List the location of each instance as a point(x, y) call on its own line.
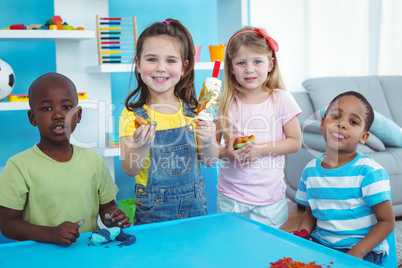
point(347, 194)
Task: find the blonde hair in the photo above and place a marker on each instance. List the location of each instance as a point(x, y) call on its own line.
point(257, 44)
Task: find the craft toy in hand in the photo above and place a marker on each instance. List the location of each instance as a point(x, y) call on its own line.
point(139, 122)
point(106, 235)
point(240, 142)
point(302, 233)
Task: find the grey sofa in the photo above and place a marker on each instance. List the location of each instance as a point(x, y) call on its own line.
point(385, 95)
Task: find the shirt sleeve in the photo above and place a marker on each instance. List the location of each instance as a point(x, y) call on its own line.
point(375, 187)
point(301, 195)
point(126, 123)
point(289, 108)
point(108, 188)
point(13, 188)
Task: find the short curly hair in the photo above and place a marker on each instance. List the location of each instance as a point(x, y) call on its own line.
point(366, 103)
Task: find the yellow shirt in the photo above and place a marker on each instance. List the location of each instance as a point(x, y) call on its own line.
point(164, 121)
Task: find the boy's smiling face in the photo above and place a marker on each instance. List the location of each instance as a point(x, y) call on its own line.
point(344, 125)
point(54, 109)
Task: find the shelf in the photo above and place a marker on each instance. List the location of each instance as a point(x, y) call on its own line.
point(24, 105)
point(45, 35)
point(121, 68)
point(107, 152)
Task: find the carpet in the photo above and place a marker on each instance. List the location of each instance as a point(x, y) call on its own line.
point(398, 242)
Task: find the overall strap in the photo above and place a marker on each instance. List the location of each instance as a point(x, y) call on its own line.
point(187, 109)
point(141, 112)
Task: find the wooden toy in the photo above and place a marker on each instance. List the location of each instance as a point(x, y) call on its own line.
point(17, 26)
point(17, 97)
point(59, 25)
point(68, 27)
point(49, 22)
point(24, 97)
point(52, 27)
point(82, 95)
point(34, 27)
point(111, 37)
point(56, 18)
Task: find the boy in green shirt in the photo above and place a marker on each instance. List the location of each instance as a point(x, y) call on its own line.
point(47, 191)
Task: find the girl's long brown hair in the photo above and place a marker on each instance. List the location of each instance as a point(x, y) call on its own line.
point(185, 88)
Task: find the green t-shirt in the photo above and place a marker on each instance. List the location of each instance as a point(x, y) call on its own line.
point(51, 192)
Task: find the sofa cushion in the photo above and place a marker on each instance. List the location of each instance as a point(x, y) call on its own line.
point(386, 130)
point(392, 86)
point(323, 90)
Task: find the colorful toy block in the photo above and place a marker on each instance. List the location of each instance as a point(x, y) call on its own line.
point(17, 97)
point(59, 25)
point(49, 22)
point(56, 18)
point(17, 26)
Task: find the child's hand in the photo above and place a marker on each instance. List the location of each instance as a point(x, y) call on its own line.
point(205, 131)
point(65, 234)
point(144, 135)
point(238, 156)
point(117, 218)
point(250, 157)
point(302, 233)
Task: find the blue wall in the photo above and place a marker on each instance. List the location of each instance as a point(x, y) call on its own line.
point(28, 60)
point(200, 17)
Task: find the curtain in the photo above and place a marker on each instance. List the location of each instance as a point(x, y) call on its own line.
point(320, 38)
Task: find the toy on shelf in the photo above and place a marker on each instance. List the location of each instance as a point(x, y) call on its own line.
point(24, 97)
point(55, 23)
point(112, 140)
point(17, 97)
point(7, 79)
point(115, 45)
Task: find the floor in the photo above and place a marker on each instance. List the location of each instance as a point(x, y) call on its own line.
point(293, 221)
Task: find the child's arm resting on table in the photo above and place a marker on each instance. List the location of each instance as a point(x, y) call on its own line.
point(13, 227)
point(112, 216)
point(383, 228)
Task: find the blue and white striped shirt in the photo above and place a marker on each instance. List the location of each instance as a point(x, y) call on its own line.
point(341, 199)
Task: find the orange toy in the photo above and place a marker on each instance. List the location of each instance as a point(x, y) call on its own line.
point(240, 142)
point(139, 122)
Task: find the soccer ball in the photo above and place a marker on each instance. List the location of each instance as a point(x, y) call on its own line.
point(7, 79)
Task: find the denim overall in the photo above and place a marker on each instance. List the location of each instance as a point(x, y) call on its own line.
point(175, 187)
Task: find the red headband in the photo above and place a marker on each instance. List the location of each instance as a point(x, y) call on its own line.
point(272, 43)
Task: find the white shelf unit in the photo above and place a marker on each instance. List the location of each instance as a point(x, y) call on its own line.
point(119, 68)
point(46, 35)
point(24, 105)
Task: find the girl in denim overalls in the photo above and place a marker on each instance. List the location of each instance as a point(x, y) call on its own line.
point(165, 158)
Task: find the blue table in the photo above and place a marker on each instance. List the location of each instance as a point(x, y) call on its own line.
point(217, 240)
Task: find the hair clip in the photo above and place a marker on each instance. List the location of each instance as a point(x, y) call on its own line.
point(271, 42)
point(165, 21)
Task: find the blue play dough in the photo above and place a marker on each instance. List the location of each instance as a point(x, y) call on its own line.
point(107, 235)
